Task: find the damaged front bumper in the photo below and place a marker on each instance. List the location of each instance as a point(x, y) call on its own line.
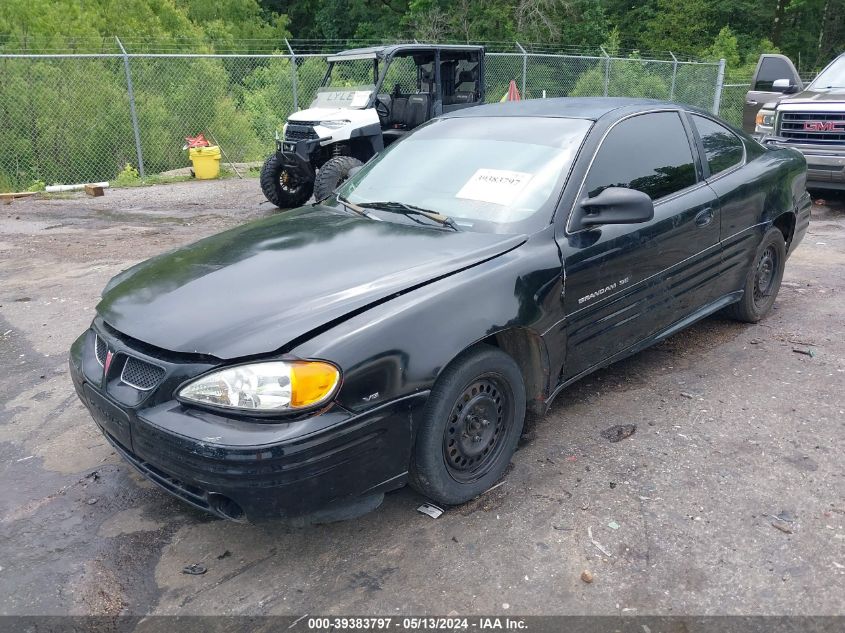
point(233, 466)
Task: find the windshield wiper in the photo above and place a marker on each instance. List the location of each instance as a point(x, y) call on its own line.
point(410, 209)
point(357, 209)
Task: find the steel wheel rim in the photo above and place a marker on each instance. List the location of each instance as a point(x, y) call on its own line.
point(764, 276)
point(477, 427)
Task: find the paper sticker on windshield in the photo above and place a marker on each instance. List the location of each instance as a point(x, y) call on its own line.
point(360, 99)
point(498, 186)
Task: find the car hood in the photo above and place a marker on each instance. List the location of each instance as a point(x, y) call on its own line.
point(253, 289)
point(813, 96)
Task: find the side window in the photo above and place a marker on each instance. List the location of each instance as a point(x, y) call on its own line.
point(772, 68)
point(649, 152)
point(722, 147)
point(401, 77)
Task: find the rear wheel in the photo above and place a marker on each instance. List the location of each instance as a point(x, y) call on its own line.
point(471, 424)
point(332, 174)
point(763, 280)
point(282, 187)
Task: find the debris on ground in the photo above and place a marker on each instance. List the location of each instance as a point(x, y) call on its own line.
point(587, 576)
point(225, 554)
point(786, 516)
point(619, 432)
point(613, 525)
point(92, 501)
point(431, 510)
point(501, 483)
point(689, 396)
point(805, 352)
point(782, 526)
point(195, 569)
point(598, 545)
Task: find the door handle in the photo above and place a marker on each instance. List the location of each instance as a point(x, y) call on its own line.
point(750, 102)
point(704, 217)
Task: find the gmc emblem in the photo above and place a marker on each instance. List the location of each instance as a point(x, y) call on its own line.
point(823, 126)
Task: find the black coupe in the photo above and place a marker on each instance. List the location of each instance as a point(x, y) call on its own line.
point(400, 330)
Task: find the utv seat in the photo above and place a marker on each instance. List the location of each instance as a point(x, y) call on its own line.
point(414, 111)
point(467, 82)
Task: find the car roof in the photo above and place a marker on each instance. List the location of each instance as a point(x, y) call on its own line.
point(391, 49)
point(591, 108)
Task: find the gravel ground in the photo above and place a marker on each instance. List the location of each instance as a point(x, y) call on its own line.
point(734, 428)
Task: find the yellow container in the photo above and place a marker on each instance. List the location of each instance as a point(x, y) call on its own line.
point(206, 161)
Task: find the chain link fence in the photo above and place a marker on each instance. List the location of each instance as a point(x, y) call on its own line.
point(732, 102)
point(69, 118)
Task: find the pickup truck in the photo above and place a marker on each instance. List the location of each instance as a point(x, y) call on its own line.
point(780, 111)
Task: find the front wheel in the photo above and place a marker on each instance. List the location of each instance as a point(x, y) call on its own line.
point(332, 174)
point(282, 187)
point(763, 280)
point(470, 427)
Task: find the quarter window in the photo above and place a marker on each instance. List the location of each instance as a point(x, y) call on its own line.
point(649, 152)
point(722, 147)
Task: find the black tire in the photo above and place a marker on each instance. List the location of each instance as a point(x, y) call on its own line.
point(763, 280)
point(470, 426)
point(332, 174)
point(281, 187)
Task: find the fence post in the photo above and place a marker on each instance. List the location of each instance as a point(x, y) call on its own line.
point(293, 76)
point(524, 68)
point(720, 79)
point(674, 76)
point(606, 70)
point(132, 112)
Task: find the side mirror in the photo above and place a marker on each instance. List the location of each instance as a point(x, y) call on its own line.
point(784, 85)
point(615, 205)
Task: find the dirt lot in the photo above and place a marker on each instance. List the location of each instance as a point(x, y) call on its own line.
point(734, 427)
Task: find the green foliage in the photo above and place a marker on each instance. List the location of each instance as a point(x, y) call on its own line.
point(70, 117)
point(128, 177)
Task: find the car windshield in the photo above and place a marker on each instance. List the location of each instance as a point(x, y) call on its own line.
point(492, 174)
point(354, 97)
point(831, 77)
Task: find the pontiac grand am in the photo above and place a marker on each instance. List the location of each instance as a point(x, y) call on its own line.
point(400, 330)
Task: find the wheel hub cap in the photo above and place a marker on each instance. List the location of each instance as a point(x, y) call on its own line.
point(765, 274)
point(475, 426)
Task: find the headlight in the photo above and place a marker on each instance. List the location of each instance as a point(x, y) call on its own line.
point(765, 120)
point(270, 386)
point(333, 125)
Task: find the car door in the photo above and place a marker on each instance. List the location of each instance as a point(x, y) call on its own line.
point(625, 282)
point(770, 68)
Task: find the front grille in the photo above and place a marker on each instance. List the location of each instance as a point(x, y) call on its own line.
point(140, 374)
point(101, 350)
point(813, 127)
point(300, 131)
